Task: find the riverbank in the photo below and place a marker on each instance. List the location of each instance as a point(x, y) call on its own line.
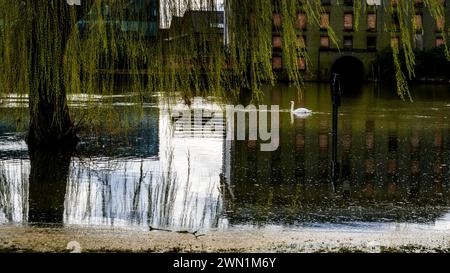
point(50, 239)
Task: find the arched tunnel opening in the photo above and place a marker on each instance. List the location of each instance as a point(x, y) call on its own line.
point(351, 72)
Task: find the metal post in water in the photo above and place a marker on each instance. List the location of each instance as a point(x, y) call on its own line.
point(336, 101)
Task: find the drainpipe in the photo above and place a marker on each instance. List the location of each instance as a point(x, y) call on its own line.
point(318, 66)
point(225, 23)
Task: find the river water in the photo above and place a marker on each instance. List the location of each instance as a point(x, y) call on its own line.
point(175, 173)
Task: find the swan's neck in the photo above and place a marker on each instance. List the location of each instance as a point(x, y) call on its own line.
point(292, 106)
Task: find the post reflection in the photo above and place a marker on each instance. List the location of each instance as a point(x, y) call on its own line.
point(415, 163)
point(392, 165)
point(368, 190)
point(300, 167)
point(346, 158)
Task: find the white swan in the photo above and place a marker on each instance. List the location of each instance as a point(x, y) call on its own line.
point(300, 111)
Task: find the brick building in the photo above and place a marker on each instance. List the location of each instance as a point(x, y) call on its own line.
point(357, 48)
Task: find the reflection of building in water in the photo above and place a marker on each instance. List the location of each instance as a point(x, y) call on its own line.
point(324, 163)
point(138, 138)
point(393, 172)
point(382, 164)
point(415, 162)
point(437, 164)
point(14, 169)
point(178, 187)
point(13, 190)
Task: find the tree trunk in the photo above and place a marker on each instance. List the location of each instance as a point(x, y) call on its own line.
point(52, 136)
point(50, 126)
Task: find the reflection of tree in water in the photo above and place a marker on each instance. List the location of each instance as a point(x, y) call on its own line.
point(139, 183)
point(34, 192)
point(138, 193)
point(47, 185)
point(111, 192)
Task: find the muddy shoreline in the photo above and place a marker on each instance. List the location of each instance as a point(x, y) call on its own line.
point(50, 239)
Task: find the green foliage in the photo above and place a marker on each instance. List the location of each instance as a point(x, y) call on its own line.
point(429, 64)
point(192, 59)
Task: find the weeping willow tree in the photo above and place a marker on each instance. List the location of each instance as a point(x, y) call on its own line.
point(34, 38)
point(49, 50)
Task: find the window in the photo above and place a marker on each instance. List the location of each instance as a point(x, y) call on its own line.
point(276, 42)
point(348, 21)
point(419, 41)
point(348, 42)
point(324, 20)
point(418, 22)
point(371, 43)
point(301, 40)
point(324, 42)
point(439, 41)
point(395, 42)
point(301, 64)
point(440, 24)
point(372, 21)
point(277, 63)
point(301, 21)
point(396, 21)
point(276, 20)
point(348, 2)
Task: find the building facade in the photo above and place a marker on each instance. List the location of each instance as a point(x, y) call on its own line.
point(356, 48)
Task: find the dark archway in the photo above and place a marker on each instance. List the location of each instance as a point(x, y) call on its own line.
point(351, 71)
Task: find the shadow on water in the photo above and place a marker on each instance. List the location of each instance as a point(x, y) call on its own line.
point(167, 173)
point(47, 186)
